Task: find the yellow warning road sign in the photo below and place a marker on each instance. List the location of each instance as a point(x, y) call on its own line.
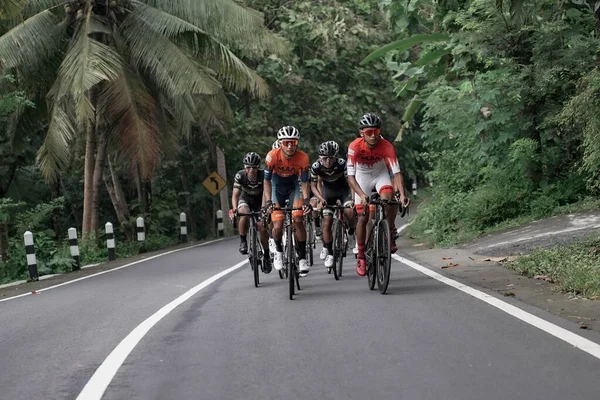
point(214, 183)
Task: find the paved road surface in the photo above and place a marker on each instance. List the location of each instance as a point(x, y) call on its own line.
point(337, 340)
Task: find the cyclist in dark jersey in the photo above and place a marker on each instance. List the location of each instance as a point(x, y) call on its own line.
point(332, 172)
point(248, 196)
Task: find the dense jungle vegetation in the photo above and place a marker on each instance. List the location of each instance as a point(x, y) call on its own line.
point(110, 110)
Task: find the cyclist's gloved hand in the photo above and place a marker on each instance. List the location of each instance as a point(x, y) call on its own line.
point(323, 203)
point(269, 205)
point(232, 214)
point(306, 207)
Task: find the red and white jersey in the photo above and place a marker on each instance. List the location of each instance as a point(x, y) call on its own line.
point(381, 158)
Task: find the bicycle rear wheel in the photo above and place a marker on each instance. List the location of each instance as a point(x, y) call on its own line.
point(384, 256)
point(337, 247)
point(254, 254)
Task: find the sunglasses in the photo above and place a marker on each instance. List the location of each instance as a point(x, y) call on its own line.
point(327, 158)
point(251, 166)
point(289, 142)
point(371, 132)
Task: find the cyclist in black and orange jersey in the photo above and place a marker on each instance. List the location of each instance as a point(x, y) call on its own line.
point(283, 167)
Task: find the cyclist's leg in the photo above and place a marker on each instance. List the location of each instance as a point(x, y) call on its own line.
point(331, 198)
point(299, 222)
point(349, 215)
point(243, 225)
point(277, 216)
point(314, 203)
point(365, 181)
point(386, 190)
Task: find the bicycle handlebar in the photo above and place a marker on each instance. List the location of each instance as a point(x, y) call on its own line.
point(240, 214)
point(288, 209)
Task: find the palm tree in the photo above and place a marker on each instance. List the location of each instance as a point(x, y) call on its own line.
point(130, 75)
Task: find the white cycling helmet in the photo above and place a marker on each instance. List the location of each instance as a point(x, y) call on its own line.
point(288, 132)
point(275, 145)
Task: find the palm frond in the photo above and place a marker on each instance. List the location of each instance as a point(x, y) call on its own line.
point(55, 153)
point(213, 111)
point(226, 20)
point(128, 105)
point(170, 66)
point(87, 63)
point(232, 72)
point(31, 7)
point(36, 38)
point(10, 8)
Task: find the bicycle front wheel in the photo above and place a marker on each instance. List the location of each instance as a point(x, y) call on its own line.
point(337, 248)
point(291, 262)
point(254, 254)
point(371, 258)
point(384, 256)
point(310, 239)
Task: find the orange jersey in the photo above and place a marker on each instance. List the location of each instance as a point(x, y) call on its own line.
point(285, 171)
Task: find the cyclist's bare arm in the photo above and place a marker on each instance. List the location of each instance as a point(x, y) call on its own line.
point(235, 197)
point(267, 190)
point(354, 186)
point(316, 190)
point(305, 190)
point(399, 183)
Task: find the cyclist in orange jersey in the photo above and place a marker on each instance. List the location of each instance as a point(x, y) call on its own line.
point(284, 165)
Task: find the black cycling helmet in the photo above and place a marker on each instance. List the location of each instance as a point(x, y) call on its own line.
point(252, 159)
point(329, 148)
point(369, 121)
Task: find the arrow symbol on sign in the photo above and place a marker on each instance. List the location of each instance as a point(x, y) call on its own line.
point(213, 180)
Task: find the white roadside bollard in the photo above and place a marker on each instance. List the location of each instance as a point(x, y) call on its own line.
point(183, 227)
point(31, 260)
point(414, 188)
point(110, 241)
point(220, 223)
point(74, 246)
point(141, 230)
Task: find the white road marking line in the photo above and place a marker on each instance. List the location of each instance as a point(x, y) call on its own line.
point(98, 383)
point(113, 269)
point(403, 227)
point(580, 342)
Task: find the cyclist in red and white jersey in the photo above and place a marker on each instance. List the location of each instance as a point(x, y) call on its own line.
point(371, 159)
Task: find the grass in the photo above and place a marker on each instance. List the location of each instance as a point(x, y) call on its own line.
point(466, 234)
point(574, 268)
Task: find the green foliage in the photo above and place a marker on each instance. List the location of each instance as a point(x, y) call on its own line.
point(36, 219)
point(505, 109)
point(575, 268)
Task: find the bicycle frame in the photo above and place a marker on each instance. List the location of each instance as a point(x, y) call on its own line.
point(289, 254)
point(255, 249)
point(378, 251)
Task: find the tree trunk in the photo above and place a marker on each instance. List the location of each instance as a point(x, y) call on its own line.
point(224, 194)
point(56, 211)
point(117, 197)
point(88, 181)
point(97, 180)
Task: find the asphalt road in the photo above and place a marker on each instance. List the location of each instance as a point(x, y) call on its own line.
point(336, 340)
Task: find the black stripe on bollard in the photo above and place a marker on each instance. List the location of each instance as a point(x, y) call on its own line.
point(110, 235)
point(111, 254)
point(140, 229)
point(30, 249)
point(72, 242)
